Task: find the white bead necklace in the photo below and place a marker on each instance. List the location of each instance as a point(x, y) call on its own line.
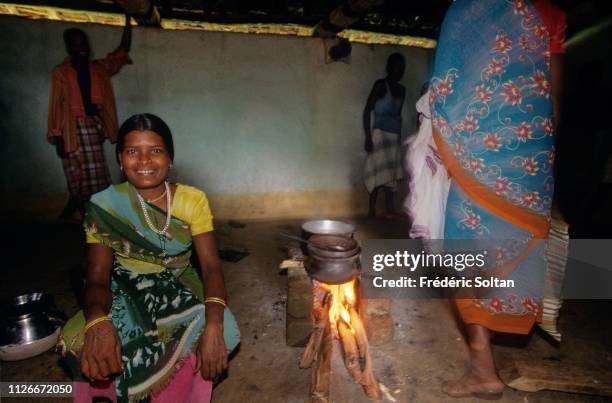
point(164, 230)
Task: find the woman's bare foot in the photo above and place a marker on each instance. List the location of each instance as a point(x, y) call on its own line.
point(481, 378)
point(473, 384)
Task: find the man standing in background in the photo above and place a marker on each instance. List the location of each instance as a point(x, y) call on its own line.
point(82, 114)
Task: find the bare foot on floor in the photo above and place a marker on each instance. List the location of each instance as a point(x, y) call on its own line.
point(473, 384)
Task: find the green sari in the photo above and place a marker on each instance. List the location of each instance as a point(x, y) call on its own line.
point(157, 306)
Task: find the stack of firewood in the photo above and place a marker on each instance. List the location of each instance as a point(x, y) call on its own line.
point(355, 348)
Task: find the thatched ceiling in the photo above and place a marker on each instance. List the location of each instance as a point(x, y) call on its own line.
point(406, 22)
point(399, 17)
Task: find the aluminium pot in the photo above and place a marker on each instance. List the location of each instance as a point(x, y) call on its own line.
point(29, 325)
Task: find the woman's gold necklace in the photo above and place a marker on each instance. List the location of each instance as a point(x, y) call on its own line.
point(158, 197)
point(161, 232)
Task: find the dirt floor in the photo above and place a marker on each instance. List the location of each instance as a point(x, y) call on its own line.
point(428, 347)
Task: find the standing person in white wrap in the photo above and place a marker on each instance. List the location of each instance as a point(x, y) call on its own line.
point(383, 139)
point(429, 181)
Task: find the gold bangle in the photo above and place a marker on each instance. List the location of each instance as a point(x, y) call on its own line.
point(215, 300)
point(95, 322)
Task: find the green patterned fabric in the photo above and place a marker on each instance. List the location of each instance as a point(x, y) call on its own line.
point(157, 296)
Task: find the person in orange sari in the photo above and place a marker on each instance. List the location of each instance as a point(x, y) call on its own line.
point(82, 115)
point(493, 97)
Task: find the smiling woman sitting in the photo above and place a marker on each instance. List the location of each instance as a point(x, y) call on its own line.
point(148, 328)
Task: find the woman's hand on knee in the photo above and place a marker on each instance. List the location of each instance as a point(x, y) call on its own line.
point(211, 353)
point(101, 353)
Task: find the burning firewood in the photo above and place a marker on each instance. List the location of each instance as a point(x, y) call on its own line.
point(321, 374)
point(368, 380)
point(351, 352)
point(321, 323)
point(334, 316)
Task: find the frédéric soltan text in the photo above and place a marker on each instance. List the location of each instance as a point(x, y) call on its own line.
point(445, 282)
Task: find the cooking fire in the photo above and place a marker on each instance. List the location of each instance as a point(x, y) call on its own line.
point(335, 316)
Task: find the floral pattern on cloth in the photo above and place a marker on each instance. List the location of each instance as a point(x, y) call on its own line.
point(492, 113)
point(497, 119)
point(513, 305)
point(503, 243)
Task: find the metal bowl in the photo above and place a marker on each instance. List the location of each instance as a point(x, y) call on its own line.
point(332, 246)
point(327, 227)
point(29, 325)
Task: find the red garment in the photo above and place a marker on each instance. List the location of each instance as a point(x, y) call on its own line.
point(554, 19)
point(66, 102)
point(184, 386)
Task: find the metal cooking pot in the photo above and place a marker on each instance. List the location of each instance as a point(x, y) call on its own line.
point(329, 227)
point(333, 271)
point(333, 266)
point(29, 325)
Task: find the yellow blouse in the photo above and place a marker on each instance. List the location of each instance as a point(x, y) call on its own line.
point(189, 205)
